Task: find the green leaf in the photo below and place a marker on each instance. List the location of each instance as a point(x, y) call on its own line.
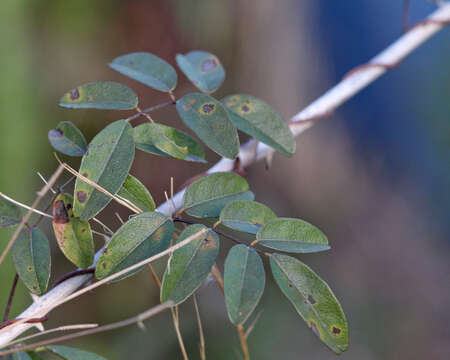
point(10, 214)
point(247, 216)
point(21, 355)
point(210, 121)
point(100, 95)
point(292, 235)
point(31, 257)
point(74, 236)
point(257, 119)
point(166, 141)
point(203, 69)
point(189, 265)
point(133, 190)
point(140, 237)
point(68, 139)
point(207, 196)
point(147, 69)
point(244, 280)
point(68, 353)
point(313, 300)
point(106, 163)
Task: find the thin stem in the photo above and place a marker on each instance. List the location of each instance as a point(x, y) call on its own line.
point(11, 296)
point(72, 274)
point(243, 340)
point(218, 232)
point(25, 206)
point(59, 328)
point(174, 313)
point(200, 329)
point(133, 320)
point(150, 109)
point(35, 204)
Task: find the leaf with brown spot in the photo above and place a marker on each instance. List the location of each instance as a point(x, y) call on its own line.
point(258, 119)
point(105, 95)
point(140, 237)
point(203, 69)
point(189, 265)
point(74, 236)
point(31, 257)
point(313, 300)
point(210, 121)
point(107, 163)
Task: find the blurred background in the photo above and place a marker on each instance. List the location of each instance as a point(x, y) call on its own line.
point(374, 177)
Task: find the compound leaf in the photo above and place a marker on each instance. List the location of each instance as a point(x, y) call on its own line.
point(244, 280)
point(313, 300)
point(100, 95)
point(189, 265)
point(148, 69)
point(142, 236)
point(106, 163)
point(135, 191)
point(207, 196)
point(247, 216)
point(10, 213)
point(292, 235)
point(31, 257)
point(68, 353)
point(74, 236)
point(68, 139)
point(167, 141)
point(208, 118)
point(203, 69)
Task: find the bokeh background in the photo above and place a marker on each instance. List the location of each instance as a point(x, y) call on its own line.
point(374, 177)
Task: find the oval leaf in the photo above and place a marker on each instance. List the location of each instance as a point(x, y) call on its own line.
point(244, 280)
point(140, 237)
point(74, 236)
point(257, 119)
point(69, 353)
point(210, 121)
point(313, 300)
point(247, 216)
point(147, 69)
point(292, 235)
point(31, 257)
point(106, 163)
point(100, 95)
point(189, 265)
point(203, 69)
point(68, 139)
point(133, 190)
point(207, 196)
point(166, 141)
point(10, 213)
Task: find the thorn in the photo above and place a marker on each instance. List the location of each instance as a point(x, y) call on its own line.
point(34, 297)
point(39, 326)
point(268, 160)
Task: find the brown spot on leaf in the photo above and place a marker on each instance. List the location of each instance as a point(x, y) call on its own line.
point(208, 108)
point(81, 196)
point(55, 133)
point(104, 265)
point(83, 230)
point(191, 101)
point(209, 64)
point(335, 330)
point(29, 268)
point(245, 108)
point(311, 300)
point(60, 215)
point(105, 251)
point(85, 174)
point(74, 94)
